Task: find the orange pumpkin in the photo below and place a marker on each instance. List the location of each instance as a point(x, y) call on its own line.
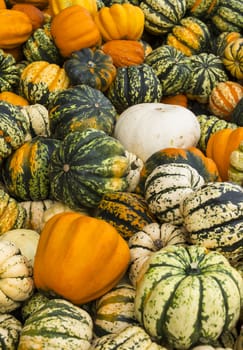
point(120, 21)
point(41, 4)
point(125, 52)
point(12, 36)
point(73, 29)
point(34, 13)
point(79, 257)
point(220, 146)
point(57, 5)
point(13, 98)
point(179, 100)
point(224, 97)
point(3, 4)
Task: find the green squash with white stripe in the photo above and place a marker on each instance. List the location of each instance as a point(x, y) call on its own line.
point(58, 324)
point(213, 218)
point(10, 329)
point(9, 72)
point(186, 296)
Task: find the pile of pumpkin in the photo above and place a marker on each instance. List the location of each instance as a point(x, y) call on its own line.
point(121, 151)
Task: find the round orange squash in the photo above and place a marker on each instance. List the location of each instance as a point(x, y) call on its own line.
point(79, 257)
point(34, 13)
point(220, 146)
point(57, 5)
point(13, 98)
point(15, 28)
point(73, 29)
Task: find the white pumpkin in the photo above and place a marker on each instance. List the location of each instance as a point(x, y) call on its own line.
point(146, 128)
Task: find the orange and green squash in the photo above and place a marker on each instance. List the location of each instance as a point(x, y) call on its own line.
point(9, 72)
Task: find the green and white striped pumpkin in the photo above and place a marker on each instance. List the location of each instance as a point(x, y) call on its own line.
point(228, 16)
point(58, 324)
point(10, 329)
point(37, 116)
point(213, 217)
point(187, 295)
point(150, 239)
point(166, 187)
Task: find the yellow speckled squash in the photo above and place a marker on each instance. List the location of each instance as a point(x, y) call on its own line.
point(57, 5)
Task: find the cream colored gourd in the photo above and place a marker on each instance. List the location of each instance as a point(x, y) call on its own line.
point(148, 127)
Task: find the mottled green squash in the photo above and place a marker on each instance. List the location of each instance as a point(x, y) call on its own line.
point(228, 16)
point(10, 329)
point(235, 170)
point(25, 171)
point(78, 108)
point(9, 72)
point(237, 114)
point(35, 302)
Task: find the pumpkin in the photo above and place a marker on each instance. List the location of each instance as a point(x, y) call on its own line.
point(171, 67)
point(57, 5)
point(12, 36)
point(127, 212)
point(78, 108)
point(191, 36)
point(57, 322)
point(69, 35)
point(224, 98)
point(41, 4)
point(90, 67)
point(90, 276)
point(12, 215)
point(181, 294)
point(25, 172)
point(161, 16)
point(166, 187)
point(148, 127)
point(178, 99)
point(237, 114)
point(232, 58)
point(40, 81)
point(133, 85)
point(228, 17)
point(235, 170)
point(34, 13)
point(205, 166)
point(25, 239)
point(10, 329)
point(114, 22)
point(85, 166)
point(9, 73)
point(207, 71)
point(129, 338)
point(40, 46)
point(13, 98)
point(212, 216)
point(209, 124)
point(16, 282)
point(135, 167)
point(38, 119)
point(151, 238)
point(220, 145)
point(202, 8)
point(222, 40)
point(124, 52)
point(114, 311)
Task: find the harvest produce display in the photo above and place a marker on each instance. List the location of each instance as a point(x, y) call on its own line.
point(121, 175)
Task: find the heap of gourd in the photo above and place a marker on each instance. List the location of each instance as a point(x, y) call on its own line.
point(121, 182)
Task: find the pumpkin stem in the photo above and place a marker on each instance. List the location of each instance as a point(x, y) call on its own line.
point(193, 269)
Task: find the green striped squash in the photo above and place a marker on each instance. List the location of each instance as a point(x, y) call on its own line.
point(162, 15)
point(127, 212)
point(131, 338)
point(237, 114)
point(186, 295)
point(209, 124)
point(10, 329)
point(133, 85)
point(25, 171)
point(207, 71)
point(171, 67)
point(166, 187)
point(235, 170)
point(58, 324)
point(228, 16)
point(213, 218)
point(114, 311)
point(40, 46)
point(34, 303)
point(202, 8)
point(150, 239)
point(86, 165)
point(9, 72)
point(80, 107)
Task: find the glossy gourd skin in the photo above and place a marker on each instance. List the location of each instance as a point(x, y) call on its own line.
point(96, 268)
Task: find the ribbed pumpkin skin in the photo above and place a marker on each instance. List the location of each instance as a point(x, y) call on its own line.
point(114, 311)
point(222, 40)
point(10, 331)
point(78, 108)
point(202, 8)
point(91, 67)
point(233, 58)
point(9, 73)
point(133, 85)
point(171, 67)
point(57, 323)
point(85, 166)
point(191, 36)
point(162, 15)
point(207, 71)
point(228, 16)
point(190, 286)
point(127, 212)
point(221, 232)
point(25, 171)
point(40, 46)
point(57, 5)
